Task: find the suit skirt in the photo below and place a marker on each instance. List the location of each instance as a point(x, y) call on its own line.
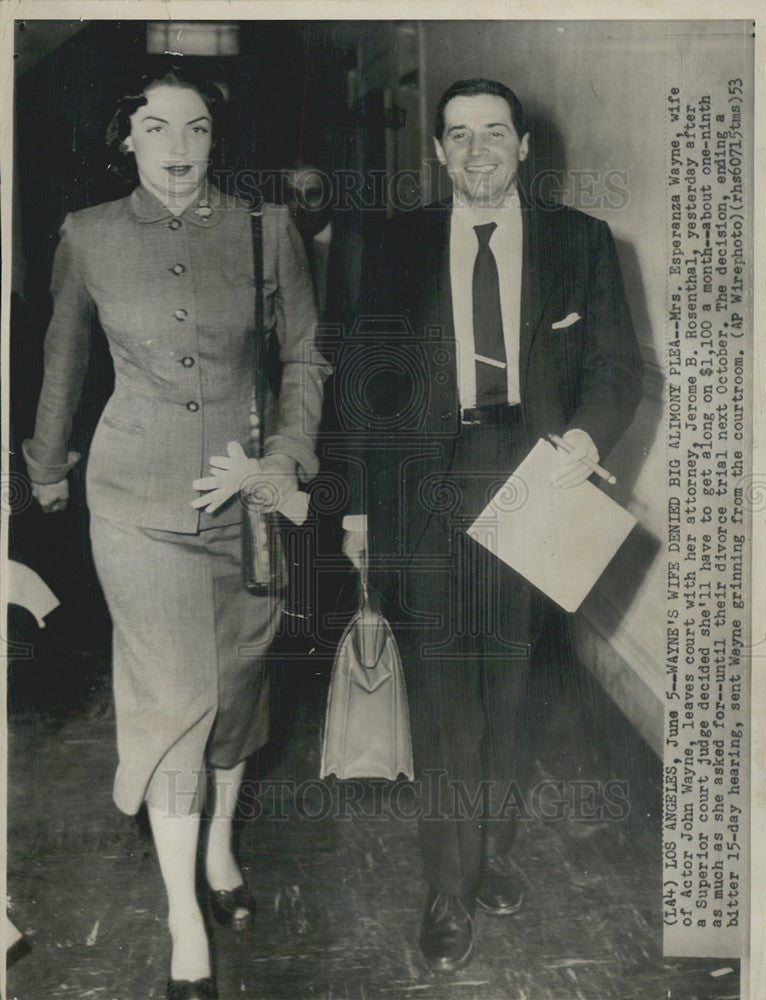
point(189, 649)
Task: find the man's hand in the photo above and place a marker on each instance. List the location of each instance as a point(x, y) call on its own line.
point(267, 482)
point(354, 547)
point(52, 497)
point(572, 470)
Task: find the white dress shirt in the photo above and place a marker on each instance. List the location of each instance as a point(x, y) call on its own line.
point(506, 245)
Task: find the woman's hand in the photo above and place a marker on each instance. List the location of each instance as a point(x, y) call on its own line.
point(52, 497)
point(267, 483)
point(227, 474)
point(273, 485)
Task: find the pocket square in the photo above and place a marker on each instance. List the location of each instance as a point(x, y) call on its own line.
point(567, 321)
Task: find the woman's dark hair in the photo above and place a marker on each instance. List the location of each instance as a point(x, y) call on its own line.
point(172, 74)
point(473, 88)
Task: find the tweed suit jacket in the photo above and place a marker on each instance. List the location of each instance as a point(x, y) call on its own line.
point(175, 298)
point(579, 362)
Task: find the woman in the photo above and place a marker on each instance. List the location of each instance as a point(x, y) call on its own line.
point(169, 272)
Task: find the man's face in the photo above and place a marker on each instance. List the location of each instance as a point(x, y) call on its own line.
point(480, 148)
point(308, 194)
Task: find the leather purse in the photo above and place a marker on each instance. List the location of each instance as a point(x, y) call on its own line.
point(367, 726)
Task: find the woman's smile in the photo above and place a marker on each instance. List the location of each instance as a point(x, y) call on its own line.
point(171, 136)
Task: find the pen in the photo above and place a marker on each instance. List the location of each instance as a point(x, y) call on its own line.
point(593, 466)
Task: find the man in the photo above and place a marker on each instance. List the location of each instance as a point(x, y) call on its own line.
point(309, 196)
point(503, 322)
point(334, 232)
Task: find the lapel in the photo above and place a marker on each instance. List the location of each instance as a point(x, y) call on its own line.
point(536, 279)
point(437, 293)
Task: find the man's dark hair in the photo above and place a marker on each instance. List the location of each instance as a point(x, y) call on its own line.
point(134, 97)
point(473, 88)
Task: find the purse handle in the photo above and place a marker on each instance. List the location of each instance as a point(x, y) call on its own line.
point(263, 564)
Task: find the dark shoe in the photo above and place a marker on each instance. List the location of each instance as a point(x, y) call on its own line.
point(499, 889)
point(184, 989)
point(499, 893)
point(226, 902)
point(446, 934)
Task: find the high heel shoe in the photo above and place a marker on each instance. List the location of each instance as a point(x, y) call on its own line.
point(226, 903)
point(184, 989)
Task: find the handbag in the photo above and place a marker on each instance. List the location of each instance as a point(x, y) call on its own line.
point(367, 727)
point(264, 568)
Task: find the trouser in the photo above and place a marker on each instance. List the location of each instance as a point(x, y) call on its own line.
point(467, 669)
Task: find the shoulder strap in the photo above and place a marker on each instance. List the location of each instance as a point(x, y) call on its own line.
point(256, 435)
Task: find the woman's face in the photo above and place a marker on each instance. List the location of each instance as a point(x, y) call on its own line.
point(170, 137)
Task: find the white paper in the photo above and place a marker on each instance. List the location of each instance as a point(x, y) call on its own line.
point(29, 591)
point(559, 539)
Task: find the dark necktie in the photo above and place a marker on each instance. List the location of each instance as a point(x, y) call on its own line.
point(491, 379)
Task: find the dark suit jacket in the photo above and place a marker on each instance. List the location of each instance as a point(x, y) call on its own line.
point(398, 380)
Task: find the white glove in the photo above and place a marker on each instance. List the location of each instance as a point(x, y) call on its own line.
point(52, 497)
point(267, 482)
point(572, 470)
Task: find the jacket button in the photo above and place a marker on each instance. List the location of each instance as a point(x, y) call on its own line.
point(174, 224)
point(447, 414)
point(187, 362)
point(192, 406)
point(180, 315)
point(178, 269)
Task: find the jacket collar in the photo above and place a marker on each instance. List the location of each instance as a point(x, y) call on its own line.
point(204, 211)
